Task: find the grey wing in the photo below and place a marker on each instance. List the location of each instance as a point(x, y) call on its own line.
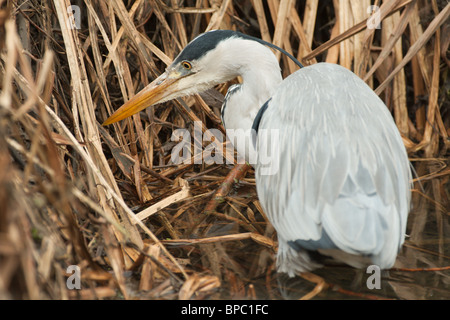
point(332, 169)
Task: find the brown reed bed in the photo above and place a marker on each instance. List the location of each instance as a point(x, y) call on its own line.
point(110, 201)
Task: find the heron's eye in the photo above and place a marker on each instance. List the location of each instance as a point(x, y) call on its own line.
point(187, 65)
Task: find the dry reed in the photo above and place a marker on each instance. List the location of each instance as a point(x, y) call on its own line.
point(70, 189)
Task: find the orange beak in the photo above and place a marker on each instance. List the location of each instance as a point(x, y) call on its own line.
point(155, 92)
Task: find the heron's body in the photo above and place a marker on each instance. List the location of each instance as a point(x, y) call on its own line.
point(343, 179)
point(338, 177)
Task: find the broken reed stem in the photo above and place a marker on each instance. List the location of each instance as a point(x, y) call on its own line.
point(238, 172)
point(357, 294)
point(421, 269)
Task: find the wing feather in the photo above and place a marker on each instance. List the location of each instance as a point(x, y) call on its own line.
point(341, 164)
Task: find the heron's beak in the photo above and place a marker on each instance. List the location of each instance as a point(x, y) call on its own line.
point(155, 92)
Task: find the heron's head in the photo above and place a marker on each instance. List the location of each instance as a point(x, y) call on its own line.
point(205, 62)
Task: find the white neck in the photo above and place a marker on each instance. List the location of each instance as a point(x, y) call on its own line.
point(260, 72)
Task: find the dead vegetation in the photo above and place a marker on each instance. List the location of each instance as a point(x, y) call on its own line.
point(110, 201)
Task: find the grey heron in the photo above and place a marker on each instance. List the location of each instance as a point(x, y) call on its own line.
point(342, 185)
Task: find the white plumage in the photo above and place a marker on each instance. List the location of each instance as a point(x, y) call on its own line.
point(343, 169)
